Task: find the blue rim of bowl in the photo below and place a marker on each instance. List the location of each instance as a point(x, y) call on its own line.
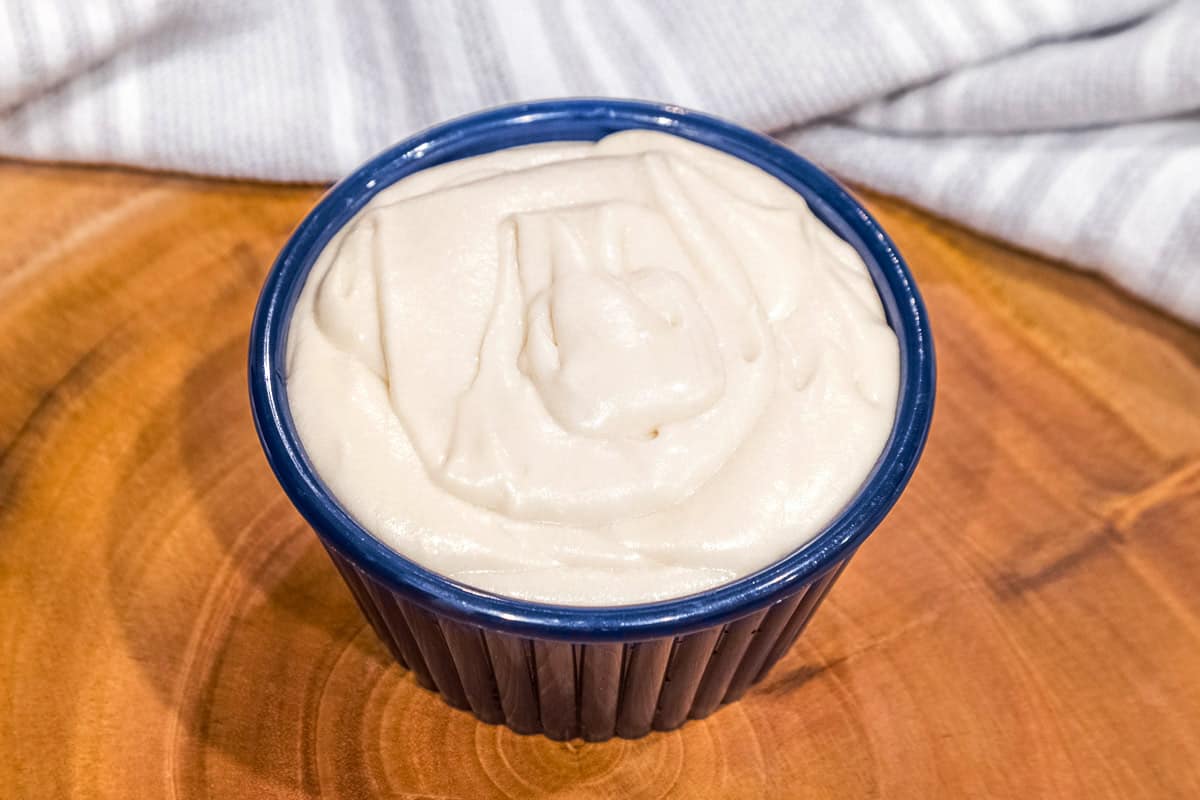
point(584, 119)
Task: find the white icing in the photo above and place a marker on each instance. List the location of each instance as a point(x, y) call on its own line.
point(592, 373)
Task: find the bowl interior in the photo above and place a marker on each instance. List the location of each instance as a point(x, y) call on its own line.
point(589, 120)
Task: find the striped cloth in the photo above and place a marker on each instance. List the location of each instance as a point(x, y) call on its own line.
point(1071, 127)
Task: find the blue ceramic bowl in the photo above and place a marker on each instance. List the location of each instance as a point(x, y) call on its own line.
point(583, 671)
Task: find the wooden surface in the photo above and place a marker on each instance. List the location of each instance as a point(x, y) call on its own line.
point(1026, 624)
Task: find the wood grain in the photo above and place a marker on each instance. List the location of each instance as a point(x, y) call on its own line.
point(1026, 624)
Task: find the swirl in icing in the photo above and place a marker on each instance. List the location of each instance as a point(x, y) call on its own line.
point(592, 373)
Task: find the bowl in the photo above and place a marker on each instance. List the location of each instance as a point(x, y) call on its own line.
point(590, 672)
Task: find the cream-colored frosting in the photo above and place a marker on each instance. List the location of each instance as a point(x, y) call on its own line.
point(592, 374)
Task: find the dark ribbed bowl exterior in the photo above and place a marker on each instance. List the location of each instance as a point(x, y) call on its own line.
point(578, 671)
point(587, 690)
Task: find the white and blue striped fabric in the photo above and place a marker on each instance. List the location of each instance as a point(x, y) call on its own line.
point(1070, 127)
